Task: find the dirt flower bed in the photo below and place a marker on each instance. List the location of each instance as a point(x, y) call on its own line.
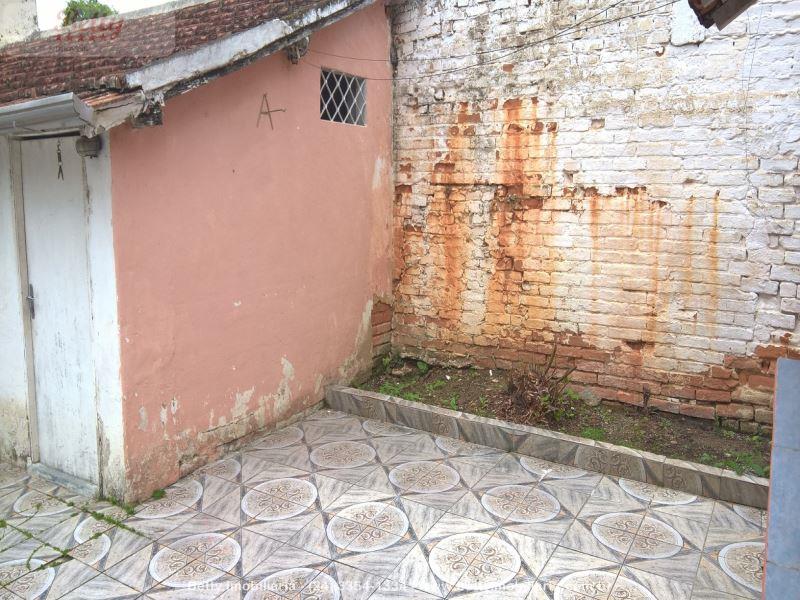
point(485, 392)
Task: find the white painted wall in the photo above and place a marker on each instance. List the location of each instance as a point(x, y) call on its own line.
point(17, 20)
point(105, 323)
point(14, 437)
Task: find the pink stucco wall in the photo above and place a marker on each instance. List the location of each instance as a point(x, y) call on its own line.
point(248, 258)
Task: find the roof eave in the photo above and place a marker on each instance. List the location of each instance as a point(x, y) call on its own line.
point(196, 64)
point(719, 12)
point(68, 112)
point(53, 113)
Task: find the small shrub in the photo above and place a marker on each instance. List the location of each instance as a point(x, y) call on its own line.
point(423, 367)
point(538, 393)
point(83, 10)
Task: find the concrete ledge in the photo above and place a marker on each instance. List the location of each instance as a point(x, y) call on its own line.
point(617, 461)
point(72, 483)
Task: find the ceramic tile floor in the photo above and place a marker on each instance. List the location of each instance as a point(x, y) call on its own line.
point(337, 507)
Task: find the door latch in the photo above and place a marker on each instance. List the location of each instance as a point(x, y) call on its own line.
point(30, 299)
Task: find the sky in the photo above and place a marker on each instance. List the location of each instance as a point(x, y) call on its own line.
point(50, 10)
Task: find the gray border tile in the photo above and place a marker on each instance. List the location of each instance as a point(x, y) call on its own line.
point(617, 461)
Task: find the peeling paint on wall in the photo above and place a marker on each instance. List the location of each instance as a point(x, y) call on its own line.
point(246, 313)
point(282, 399)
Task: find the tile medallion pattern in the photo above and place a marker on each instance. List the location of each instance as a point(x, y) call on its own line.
point(281, 439)
point(30, 579)
point(548, 470)
point(338, 507)
point(585, 585)
point(367, 527)
point(342, 455)
point(750, 514)
point(522, 504)
point(224, 469)
point(474, 561)
point(639, 537)
point(388, 429)
point(36, 503)
point(454, 446)
point(279, 499)
point(301, 583)
point(195, 560)
point(176, 500)
point(653, 493)
point(424, 477)
point(744, 563)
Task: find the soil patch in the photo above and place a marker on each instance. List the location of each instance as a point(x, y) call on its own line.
point(484, 392)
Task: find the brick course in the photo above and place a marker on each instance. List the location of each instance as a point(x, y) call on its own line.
point(630, 199)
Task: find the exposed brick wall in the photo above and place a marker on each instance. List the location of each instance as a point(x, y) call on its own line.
point(629, 192)
point(381, 328)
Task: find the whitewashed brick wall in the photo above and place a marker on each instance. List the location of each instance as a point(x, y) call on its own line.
point(628, 190)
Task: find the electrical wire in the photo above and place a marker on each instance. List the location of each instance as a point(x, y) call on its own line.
point(477, 52)
point(514, 49)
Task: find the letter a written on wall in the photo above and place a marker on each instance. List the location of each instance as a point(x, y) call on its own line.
point(265, 111)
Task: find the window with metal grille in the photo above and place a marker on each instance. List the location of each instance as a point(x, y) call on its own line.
point(342, 98)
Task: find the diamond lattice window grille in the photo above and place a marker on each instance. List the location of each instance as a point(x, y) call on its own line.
point(342, 98)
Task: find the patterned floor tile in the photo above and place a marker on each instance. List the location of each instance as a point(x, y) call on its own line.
point(578, 572)
point(596, 540)
point(506, 471)
point(552, 530)
point(673, 562)
point(727, 526)
point(23, 558)
point(286, 557)
point(340, 507)
point(46, 579)
point(354, 584)
point(37, 507)
point(393, 590)
point(534, 553)
point(326, 431)
point(742, 578)
point(102, 587)
point(561, 475)
point(607, 496)
point(659, 586)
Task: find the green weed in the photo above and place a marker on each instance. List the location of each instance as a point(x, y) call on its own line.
point(594, 433)
point(391, 388)
point(423, 367)
point(435, 385)
point(740, 462)
point(453, 402)
point(483, 407)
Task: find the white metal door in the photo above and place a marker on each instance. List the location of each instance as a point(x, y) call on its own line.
point(55, 212)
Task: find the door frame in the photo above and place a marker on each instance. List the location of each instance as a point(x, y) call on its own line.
point(15, 150)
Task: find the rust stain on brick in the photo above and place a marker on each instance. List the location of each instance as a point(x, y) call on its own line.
point(500, 243)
